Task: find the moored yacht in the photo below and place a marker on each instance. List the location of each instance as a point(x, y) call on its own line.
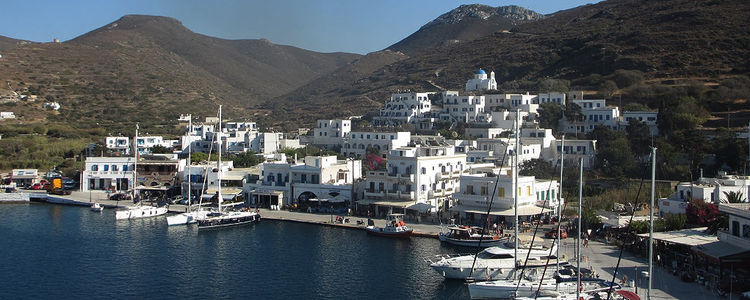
point(224, 218)
point(469, 236)
point(491, 263)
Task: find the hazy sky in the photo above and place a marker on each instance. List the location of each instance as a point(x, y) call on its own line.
point(358, 26)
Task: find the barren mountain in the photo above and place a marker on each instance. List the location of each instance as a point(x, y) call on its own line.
point(151, 69)
point(465, 23)
point(662, 39)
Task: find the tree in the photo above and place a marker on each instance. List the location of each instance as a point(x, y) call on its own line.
point(640, 137)
point(635, 106)
point(538, 168)
point(607, 88)
point(626, 78)
point(613, 155)
point(159, 149)
point(550, 114)
point(573, 112)
point(681, 114)
point(246, 159)
point(701, 213)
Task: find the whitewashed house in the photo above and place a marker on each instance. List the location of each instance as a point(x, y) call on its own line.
point(476, 193)
point(405, 108)
point(357, 143)
point(706, 189)
point(330, 133)
point(415, 176)
point(318, 179)
point(646, 117)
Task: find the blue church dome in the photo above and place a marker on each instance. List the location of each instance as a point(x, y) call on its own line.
point(481, 72)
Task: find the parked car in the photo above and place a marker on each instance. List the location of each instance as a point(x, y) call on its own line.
point(552, 234)
point(69, 184)
point(37, 186)
point(120, 196)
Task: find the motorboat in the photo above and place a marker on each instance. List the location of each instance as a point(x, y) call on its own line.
point(140, 211)
point(469, 236)
point(97, 207)
point(394, 227)
point(492, 263)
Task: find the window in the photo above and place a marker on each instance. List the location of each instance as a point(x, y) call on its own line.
point(124, 167)
point(424, 187)
point(424, 170)
point(106, 168)
point(94, 168)
point(501, 192)
point(114, 168)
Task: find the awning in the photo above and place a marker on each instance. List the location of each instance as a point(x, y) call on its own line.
point(423, 207)
point(365, 202)
point(394, 203)
point(528, 210)
point(338, 199)
point(718, 249)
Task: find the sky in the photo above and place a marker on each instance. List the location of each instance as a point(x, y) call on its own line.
point(357, 26)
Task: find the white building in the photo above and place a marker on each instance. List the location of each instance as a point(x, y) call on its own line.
point(357, 143)
point(7, 115)
point(24, 177)
point(576, 149)
point(552, 97)
point(739, 225)
point(477, 189)
point(119, 144)
point(425, 175)
point(712, 190)
point(328, 133)
point(506, 147)
point(107, 173)
point(595, 113)
point(481, 82)
point(404, 108)
point(318, 179)
point(468, 109)
point(646, 117)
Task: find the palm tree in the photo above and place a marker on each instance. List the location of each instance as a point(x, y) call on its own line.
point(734, 197)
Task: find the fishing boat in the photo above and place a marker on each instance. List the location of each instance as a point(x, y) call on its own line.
point(469, 236)
point(394, 227)
point(139, 210)
point(224, 218)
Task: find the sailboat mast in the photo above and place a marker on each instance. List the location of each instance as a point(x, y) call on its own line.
point(135, 163)
point(515, 192)
point(578, 240)
point(218, 143)
point(651, 223)
point(559, 200)
point(189, 161)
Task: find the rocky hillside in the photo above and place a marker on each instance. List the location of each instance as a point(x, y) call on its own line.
point(151, 69)
point(662, 39)
point(465, 23)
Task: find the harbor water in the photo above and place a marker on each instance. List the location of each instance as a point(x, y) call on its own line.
point(54, 251)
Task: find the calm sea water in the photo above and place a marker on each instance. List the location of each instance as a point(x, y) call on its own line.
point(53, 251)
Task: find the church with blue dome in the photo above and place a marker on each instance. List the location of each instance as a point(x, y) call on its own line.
point(481, 82)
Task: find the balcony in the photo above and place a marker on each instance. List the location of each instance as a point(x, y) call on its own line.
point(725, 236)
point(373, 194)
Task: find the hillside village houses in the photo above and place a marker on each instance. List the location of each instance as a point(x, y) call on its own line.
point(423, 174)
point(711, 190)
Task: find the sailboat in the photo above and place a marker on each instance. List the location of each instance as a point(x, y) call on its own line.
point(138, 211)
point(224, 218)
point(520, 287)
point(191, 216)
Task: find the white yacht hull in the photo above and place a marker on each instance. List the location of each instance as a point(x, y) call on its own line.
point(138, 212)
point(186, 218)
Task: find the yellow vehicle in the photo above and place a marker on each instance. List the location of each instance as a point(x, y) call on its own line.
point(55, 186)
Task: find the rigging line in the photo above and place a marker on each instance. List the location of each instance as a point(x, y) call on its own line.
point(533, 237)
point(559, 239)
point(205, 173)
point(489, 207)
point(622, 247)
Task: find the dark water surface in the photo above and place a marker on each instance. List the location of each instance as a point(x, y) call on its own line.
point(53, 251)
